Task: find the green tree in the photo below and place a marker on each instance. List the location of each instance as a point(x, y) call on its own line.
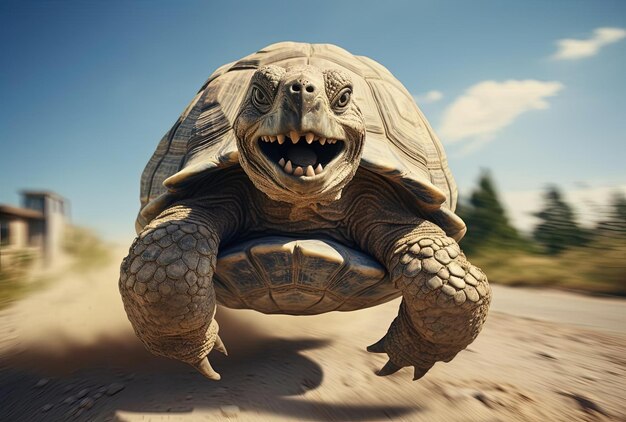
point(558, 229)
point(614, 224)
point(486, 219)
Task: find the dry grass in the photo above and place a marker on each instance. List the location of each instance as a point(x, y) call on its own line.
point(14, 278)
point(85, 250)
point(599, 268)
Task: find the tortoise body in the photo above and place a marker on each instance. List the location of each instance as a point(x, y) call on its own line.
point(399, 145)
point(301, 179)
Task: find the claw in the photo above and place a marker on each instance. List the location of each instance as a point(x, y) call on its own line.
point(205, 368)
point(219, 346)
point(378, 347)
point(388, 369)
point(420, 372)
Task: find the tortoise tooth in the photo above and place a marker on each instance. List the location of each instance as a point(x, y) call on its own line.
point(388, 369)
point(281, 162)
point(219, 346)
point(298, 171)
point(378, 347)
point(280, 138)
point(319, 169)
point(288, 167)
point(309, 171)
point(204, 367)
point(294, 136)
point(309, 137)
point(272, 138)
point(322, 141)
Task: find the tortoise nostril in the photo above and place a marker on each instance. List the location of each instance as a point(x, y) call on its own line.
point(299, 87)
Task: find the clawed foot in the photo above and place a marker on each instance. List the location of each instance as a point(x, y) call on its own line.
point(219, 346)
point(390, 367)
point(204, 366)
point(444, 305)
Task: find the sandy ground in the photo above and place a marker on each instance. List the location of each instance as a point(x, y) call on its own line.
point(68, 353)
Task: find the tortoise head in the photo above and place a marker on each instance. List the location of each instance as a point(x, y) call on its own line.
point(299, 133)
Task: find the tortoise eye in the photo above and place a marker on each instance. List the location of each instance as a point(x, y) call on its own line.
point(343, 98)
point(260, 99)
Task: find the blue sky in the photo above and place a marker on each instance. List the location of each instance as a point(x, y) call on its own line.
point(88, 88)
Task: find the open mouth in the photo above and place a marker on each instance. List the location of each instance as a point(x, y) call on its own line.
point(300, 155)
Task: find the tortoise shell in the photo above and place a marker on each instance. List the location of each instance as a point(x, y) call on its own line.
point(399, 145)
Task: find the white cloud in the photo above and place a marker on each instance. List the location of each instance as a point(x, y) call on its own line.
point(573, 49)
point(488, 106)
point(428, 97)
point(589, 204)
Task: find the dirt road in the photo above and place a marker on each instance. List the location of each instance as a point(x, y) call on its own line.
point(68, 353)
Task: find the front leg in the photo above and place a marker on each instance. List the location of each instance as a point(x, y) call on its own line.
point(445, 298)
point(166, 284)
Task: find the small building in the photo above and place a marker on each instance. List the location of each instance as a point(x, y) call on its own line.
point(36, 227)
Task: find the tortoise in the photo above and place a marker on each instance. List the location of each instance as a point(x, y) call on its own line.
point(301, 179)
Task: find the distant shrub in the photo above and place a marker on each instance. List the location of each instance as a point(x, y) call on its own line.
point(598, 267)
point(488, 225)
point(14, 276)
point(85, 247)
point(558, 229)
point(560, 254)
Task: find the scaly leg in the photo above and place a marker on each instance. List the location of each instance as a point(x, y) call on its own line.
point(166, 285)
point(445, 298)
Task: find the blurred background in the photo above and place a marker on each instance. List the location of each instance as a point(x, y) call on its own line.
point(528, 98)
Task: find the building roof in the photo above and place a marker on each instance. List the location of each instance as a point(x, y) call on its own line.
point(48, 193)
point(8, 210)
